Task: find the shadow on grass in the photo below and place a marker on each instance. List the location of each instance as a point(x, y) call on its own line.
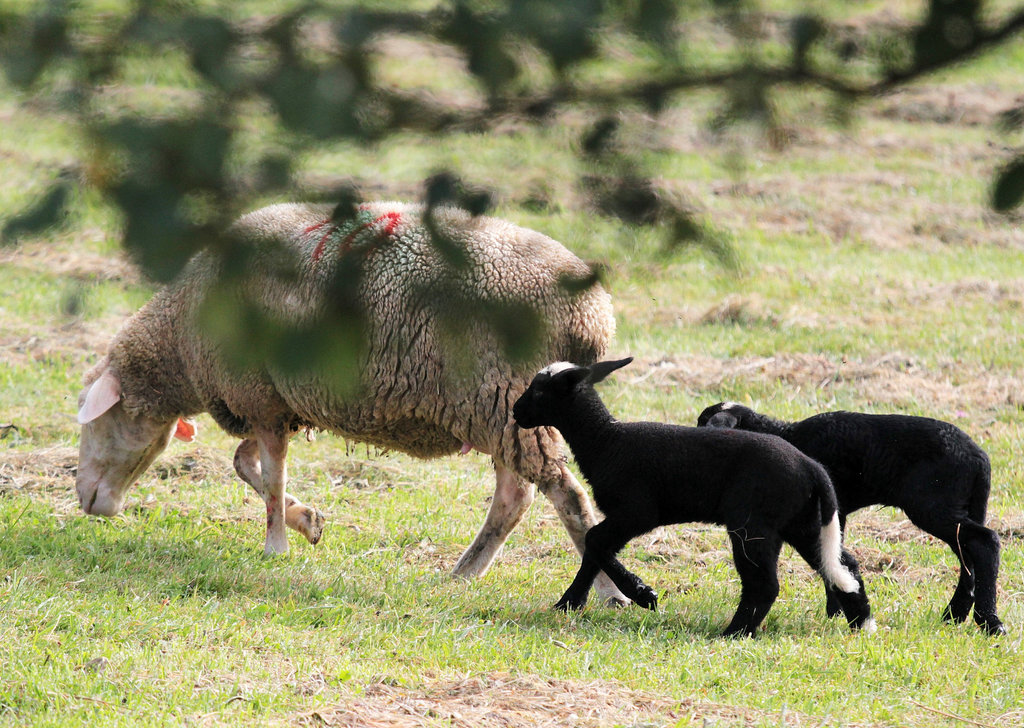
point(160, 555)
point(599, 621)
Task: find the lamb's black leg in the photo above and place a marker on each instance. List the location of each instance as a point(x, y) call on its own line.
point(957, 538)
point(960, 604)
point(756, 556)
point(603, 541)
point(630, 584)
point(977, 549)
point(832, 606)
point(959, 607)
point(575, 596)
point(981, 549)
point(853, 605)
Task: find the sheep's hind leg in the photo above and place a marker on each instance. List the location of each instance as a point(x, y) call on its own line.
point(298, 516)
point(959, 607)
point(977, 547)
point(756, 557)
point(512, 497)
point(832, 606)
point(853, 605)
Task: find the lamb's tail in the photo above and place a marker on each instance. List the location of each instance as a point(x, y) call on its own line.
point(977, 503)
point(831, 539)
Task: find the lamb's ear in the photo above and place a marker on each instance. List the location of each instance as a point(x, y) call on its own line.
point(185, 430)
point(723, 420)
point(603, 368)
point(569, 378)
point(103, 394)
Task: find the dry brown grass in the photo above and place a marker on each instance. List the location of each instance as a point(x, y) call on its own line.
point(894, 379)
point(70, 260)
point(501, 700)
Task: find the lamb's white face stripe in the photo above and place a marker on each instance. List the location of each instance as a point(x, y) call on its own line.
point(730, 405)
point(558, 366)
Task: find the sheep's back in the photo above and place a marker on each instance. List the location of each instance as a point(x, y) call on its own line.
point(434, 372)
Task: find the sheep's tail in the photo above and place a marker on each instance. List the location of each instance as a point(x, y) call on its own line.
point(977, 504)
point(831, 539)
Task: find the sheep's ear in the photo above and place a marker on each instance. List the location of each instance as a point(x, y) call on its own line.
point(724, 420)
point(185, 430)
point(569, 378)
point(103, 394)
point(603, 368)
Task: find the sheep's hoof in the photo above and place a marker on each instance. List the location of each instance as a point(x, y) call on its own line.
point(738, 632)
point(832, 609)
point(315, 528)
point(610, 594)
point(957, 612)
point(992, 625)
point(868, 626)
point(569, 604)
point(646, 598)
point(617, 602)
point(272, 551)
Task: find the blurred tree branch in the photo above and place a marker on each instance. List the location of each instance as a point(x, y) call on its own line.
point(172, 174)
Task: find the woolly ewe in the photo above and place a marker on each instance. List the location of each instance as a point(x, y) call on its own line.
point(419, 392)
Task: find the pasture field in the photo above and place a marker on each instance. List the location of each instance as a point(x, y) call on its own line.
point(871, 276)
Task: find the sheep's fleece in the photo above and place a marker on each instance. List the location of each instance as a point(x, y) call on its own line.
point(416, 396)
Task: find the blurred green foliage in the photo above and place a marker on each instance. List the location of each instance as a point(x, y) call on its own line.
point(172, 168)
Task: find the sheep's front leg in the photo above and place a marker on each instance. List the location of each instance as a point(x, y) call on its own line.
point(512, 496)
point(273, 450)
point(603, 541)
point(577, 515)
point(304, 519)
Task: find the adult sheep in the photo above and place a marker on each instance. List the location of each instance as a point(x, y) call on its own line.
point(421, 389)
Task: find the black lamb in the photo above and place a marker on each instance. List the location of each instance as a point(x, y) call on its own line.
point(929, 468)
point(647, 474)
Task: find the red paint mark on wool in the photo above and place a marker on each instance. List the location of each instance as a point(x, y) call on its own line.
point(320, 246)
point(392, 220)
point(319, 250)
point(313, 228)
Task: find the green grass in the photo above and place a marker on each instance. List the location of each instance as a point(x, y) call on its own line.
point(871, 278)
